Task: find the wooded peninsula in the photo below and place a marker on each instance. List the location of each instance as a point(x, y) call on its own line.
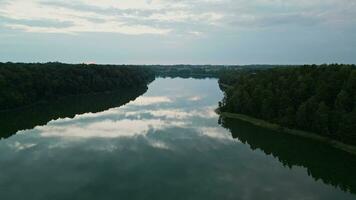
point(319, 99)
point(25, 84)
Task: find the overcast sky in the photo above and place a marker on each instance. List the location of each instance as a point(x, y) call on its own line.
point(178, 31)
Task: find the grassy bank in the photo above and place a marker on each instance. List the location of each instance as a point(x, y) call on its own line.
point(261, 123)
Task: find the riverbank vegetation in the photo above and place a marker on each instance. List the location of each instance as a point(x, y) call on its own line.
point(24, 84)
point(319, 99)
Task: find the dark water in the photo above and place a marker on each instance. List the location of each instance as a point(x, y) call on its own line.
point(166, 144)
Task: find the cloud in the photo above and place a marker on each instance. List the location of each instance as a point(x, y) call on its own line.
point(147, 100)
point(197, 97)
point(102, 129)
point(178, 114)
point(164, 17)
point(17, 146)
point(79, 20)
point(216, 133)
point(126, 17)
point(90, 27)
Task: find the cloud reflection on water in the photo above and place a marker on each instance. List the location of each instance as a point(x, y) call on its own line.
point(148, 148)
point(148, 113)
point(118, 123)
point(145, 100)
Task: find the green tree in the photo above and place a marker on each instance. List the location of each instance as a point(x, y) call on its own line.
point(322, 119)
point(343, 102)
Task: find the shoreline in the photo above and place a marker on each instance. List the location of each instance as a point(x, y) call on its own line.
point(59, 98)
point(225, 86)
point(261, 123)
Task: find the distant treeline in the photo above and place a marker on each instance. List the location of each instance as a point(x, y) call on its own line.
point(187, 71)
point(201, 71)
point(320, 99)
point(23, 84)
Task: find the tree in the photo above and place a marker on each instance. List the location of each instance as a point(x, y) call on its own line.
point(343, 102)
point(322, 119)
point(314, 98)
point(24, 84)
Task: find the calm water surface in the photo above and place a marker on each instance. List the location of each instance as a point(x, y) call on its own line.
point(169, 144)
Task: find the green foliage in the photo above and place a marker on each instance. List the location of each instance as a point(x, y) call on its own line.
point(24, 84)
point(320, 99)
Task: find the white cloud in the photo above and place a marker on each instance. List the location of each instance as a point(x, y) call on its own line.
point(111, 27)
point(106, 128)
point(159, 144)
point(150, 100)
point(101, 129)
point(137, 4)
point(195, 98)
point(162, 17)
point(178, 114)
point(82, 20)
point(216, 133)
point(17, 146)
point(79, 20)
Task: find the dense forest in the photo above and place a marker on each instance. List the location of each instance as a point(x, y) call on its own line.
point(320, 99)
point(202, 71)
point(189, 71)
point(24, 84)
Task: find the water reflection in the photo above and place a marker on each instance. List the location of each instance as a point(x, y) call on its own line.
point(322, 162)
point(166, 144)
point(68, 107)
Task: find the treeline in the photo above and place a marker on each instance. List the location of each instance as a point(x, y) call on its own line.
point(23, 84)
point(201, 71)
point(320, 99)
point(188, 71)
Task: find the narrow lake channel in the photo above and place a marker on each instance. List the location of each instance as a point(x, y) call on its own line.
point(168, 143)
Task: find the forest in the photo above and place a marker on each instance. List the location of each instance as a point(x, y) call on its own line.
point(319, 99)
point(24, 84)
point(202, 71)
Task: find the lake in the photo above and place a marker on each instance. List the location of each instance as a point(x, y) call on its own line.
point(168, 143)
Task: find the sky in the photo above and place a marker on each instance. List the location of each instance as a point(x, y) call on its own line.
point(178, 31)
